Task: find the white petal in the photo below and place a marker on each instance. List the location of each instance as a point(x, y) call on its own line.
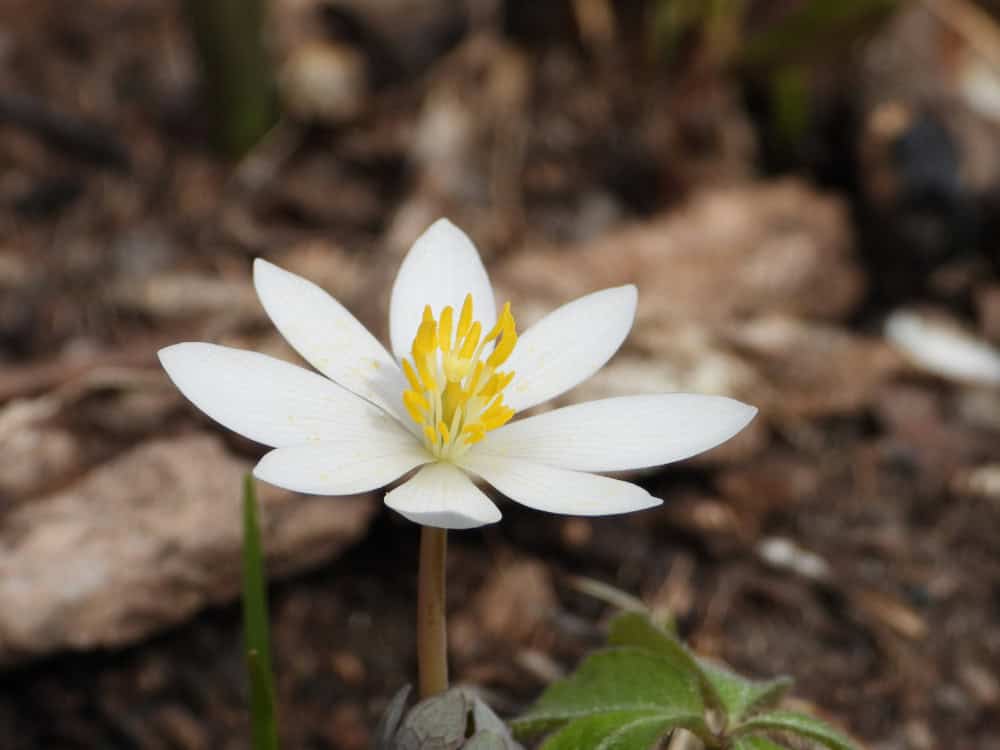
point(569, 345)
point(558, 490)
point(342, 467)
point(270, 401)
point(328, 337)
point(441, 268)
point(443, 496)
point(616, 434)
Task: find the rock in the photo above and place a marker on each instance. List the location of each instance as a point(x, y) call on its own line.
point(145, 541)
point(729, 253)
point(809, 370)
point(179, 296)
point(516, 601)
point(325, 82)
point(36, 458)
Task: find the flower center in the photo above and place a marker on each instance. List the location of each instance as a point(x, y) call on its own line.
point(456, 391)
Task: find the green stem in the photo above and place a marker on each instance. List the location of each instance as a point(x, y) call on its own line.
point(229, 39)
point(432, 638)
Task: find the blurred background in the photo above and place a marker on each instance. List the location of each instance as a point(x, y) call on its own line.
point(780, 179)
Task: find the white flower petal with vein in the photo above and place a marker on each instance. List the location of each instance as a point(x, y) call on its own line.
point(443, 403)
point(343, 467)
point(441, 495)
point(616, 434)
point(569, 345)
point(328, 337)
point(268, 400)
point(441, 268)
point(560, 490)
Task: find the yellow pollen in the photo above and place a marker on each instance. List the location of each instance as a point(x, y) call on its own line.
point(455, 392)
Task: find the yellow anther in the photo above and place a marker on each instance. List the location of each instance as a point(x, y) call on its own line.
point(452, 399)
point(504, 322)
point(444, 329)
point(464, 318)
point(502, 349)
point(411, 376)
point(429, 383)
point(492, 386)
point(496, 384)
point(471, 341)
point(425, 341)
point(430, 435)
point(496, 418)
point(473, 381)
point(416, 404)
point(455, 394)
point(473, 433)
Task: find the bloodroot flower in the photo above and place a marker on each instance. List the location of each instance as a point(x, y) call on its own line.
point(442, 402)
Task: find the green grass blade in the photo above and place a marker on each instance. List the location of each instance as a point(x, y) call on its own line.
point(263, 715)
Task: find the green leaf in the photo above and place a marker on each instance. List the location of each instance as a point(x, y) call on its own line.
point(752, 742)
point(741, 697)
point(734, 696)
point(619, 730)
point(636, 629)
point(263, 715)
point(802, 725)
point(614, 681)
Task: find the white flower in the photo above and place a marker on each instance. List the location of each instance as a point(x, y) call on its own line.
point(442, 400)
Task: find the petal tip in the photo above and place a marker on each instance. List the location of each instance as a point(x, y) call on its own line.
point(263, 267)
point(443, 223)
point(446, 231)
point(747, 413)
point(169, 356)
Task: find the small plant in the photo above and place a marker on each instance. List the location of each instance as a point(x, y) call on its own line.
point(440, 405)
point(648, 684)
point(256, 628)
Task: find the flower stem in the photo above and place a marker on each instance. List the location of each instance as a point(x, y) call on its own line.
point(432, 638)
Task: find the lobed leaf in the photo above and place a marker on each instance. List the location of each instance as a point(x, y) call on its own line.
point(740, 697)
point(620, 730)
point(636, 629)
point(753, 742)
point(800, 724)
point(616, 681)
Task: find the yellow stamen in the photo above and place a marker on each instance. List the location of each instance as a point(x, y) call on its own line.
point(471, 341)
point(455, 392)
point(416, 404)
point(430, 435)
point(444, 329)
point(465, 318)
point(411, 376)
